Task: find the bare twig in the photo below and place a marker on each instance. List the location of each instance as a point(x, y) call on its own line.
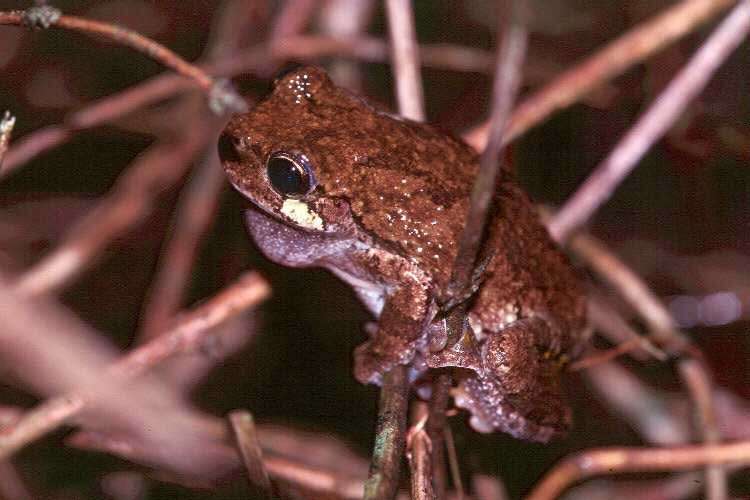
point(653, 124)
point(390, 436)
point(450, 446)
point(419, 451)
point(698, 382)
point(405, 57)
point(619, 460)
point(187, 334)
point(609, 62)
point(223, 98)
point(511, 53)
point(6, 129)
point(436, 424)
point(246, 438)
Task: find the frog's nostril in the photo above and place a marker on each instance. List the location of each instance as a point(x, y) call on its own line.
point(228, 148)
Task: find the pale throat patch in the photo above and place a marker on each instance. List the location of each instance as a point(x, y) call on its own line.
point(300, 213)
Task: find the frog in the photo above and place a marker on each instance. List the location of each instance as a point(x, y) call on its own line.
point(337, 182)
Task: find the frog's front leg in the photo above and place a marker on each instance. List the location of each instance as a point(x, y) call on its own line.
point(402, 326)
point(517, 389)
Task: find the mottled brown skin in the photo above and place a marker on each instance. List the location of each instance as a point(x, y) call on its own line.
point(390, 199)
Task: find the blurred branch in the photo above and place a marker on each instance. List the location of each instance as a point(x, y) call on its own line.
point(12, 486)
point(246, 438)
point(698, 382)
point(222, 97)
point(653, 124)
point(132, 198)
point(390, 435)
point(604, 65)
point(419, 451)
point(596, 462)
point(188, 333)
point(7, 122)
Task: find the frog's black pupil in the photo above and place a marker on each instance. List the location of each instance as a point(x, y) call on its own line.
point(287, 177)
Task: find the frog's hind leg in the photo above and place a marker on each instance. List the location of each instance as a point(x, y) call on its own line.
point(517, 389)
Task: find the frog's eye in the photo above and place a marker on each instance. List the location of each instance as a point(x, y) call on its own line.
point(289, 174)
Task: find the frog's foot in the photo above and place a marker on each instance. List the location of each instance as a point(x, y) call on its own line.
point(376, 357)
point(517, 389)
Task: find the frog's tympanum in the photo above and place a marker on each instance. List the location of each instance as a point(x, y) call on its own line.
point(381, 202)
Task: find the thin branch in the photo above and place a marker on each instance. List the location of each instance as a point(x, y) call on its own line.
point(450, 446)
point(599, 357)
point(653, 124)
point(620, 460)
point(419, 451)
point(436, 424)
point(223, 98)
point(246, 438)
point(390, 436)
point(612, 60)
point(186, 335)
point(405, 57)
point(511, 53)
point(698, 381)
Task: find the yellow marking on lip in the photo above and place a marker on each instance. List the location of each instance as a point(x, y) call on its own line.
point(301, 213)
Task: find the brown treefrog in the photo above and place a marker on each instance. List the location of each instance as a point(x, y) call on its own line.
point(381, 202)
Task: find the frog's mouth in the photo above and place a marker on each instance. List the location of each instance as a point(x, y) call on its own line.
point(286, 244)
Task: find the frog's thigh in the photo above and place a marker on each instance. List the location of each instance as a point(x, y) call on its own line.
point(400, 328)
point(518, 390)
